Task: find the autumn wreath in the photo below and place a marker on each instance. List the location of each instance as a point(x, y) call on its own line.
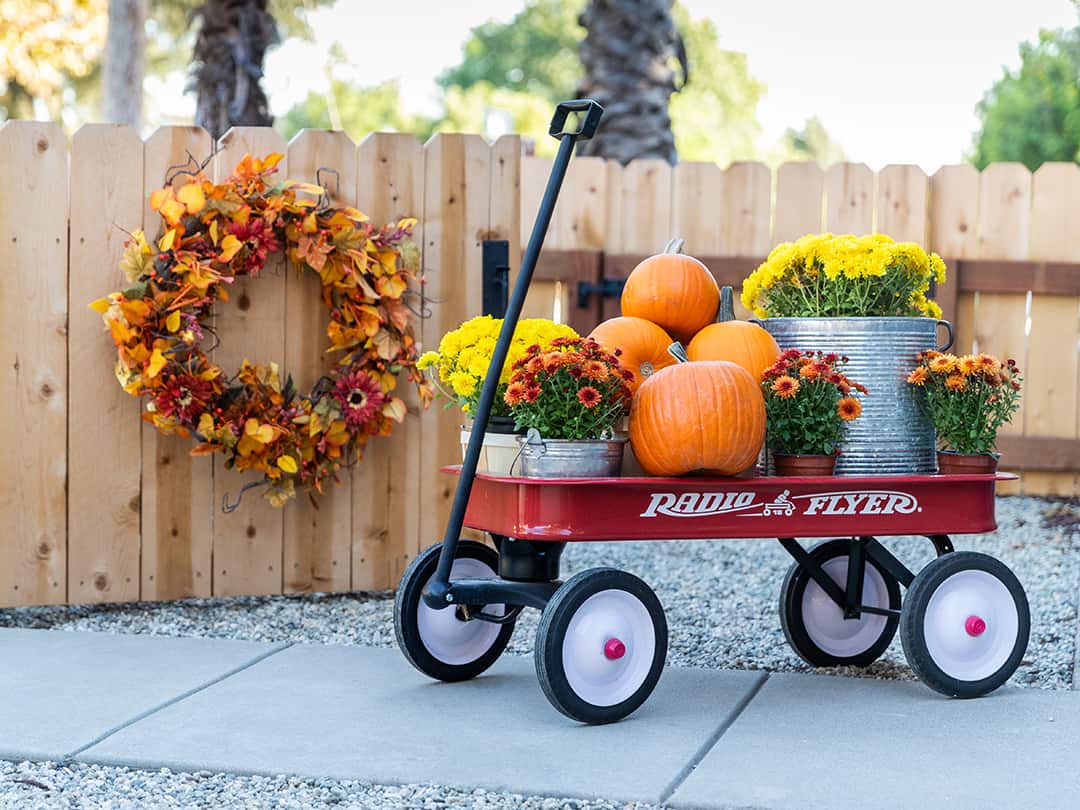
point(213, 233)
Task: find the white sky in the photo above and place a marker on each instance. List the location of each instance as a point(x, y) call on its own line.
point(893, 82)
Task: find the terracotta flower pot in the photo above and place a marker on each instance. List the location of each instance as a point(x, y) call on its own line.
point(952, 463)
point(789, 464)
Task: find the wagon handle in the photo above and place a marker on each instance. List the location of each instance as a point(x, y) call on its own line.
point(588, 123)
point(437, 593)
point(952, 337)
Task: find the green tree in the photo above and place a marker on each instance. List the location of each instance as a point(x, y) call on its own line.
point(714, 117)
point(811, 142)
point(355, 109)
point(535, 52)
point(1032, 114)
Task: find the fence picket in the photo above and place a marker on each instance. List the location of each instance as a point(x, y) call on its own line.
point(800, 193)
point(33, 355)
point(106, 184)
point(697, 197)
point(386, 483)
point(953, 226)
point(252, 326)
point(177, 488)
point(849, 198)
point(457, 179)
point(902, 203)
point(317, 535)
point(1055, 322)
point(1004, 226)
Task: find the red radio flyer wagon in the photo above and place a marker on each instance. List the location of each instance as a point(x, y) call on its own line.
point(602, 638)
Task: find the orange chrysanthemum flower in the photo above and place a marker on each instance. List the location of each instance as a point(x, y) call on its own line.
point(849, 408)
point(955, 382)
point(588, 396)
point(785, 387)
point(969, 364)
point(809, 372)
point(595, 370)
point(988, 364)
point(515, 394)
point(943, 364)
point(918, 376)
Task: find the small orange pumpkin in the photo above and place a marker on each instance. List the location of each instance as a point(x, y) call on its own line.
point(643, 345)
point(674, 291)
point(739, 342)
point(708, 415)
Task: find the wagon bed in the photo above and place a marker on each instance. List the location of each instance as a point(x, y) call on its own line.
point(651, 508)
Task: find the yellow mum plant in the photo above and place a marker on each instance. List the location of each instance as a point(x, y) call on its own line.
point(829, 276)
point(465, 353)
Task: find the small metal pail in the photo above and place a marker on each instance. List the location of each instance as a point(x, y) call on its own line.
point(564, 458)
point(894, 434)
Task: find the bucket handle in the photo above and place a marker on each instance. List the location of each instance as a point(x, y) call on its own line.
point(532, 437)
point(952, 338)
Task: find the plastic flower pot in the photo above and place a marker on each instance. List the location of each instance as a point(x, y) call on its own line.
point(951, 462)
point(810, 464)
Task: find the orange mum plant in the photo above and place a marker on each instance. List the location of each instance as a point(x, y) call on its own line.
point(808, 402)
point(213, 233)
point(969, 398)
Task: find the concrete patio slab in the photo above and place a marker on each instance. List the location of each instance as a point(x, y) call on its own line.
point(363, 713)
point(815, 741)
point(61, 691)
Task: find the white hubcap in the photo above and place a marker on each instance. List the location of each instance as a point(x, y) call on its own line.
point(824, 619)
point(448, 638)
point(971, 625)
point(606, 624)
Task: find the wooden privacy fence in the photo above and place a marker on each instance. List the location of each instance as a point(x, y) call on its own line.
point(98, 507)
point(1011, 239)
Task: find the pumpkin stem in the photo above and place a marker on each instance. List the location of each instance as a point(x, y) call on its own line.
point(674, 246)
point(677, 351)
point(727, 305)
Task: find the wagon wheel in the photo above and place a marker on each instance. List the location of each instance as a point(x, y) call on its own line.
point(965, 624)
point(601, 645)
point(814, 624)
point(442, 643)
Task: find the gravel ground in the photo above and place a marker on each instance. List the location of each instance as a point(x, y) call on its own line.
point(720, 597)
point(47, 785)
point(721, 603)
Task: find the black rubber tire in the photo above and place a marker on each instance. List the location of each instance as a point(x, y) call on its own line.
point(913, 618)
point(791, 617)
point(407, 603)
point(554, 622)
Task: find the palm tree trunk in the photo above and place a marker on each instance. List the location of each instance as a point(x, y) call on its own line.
point(233, 38)
point(627, 54)
point(125, 61)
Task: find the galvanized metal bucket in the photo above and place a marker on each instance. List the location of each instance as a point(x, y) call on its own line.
point(565, 458)
point(894, 435)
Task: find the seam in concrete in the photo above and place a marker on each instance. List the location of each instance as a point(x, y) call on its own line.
point(175, 699)
point(713, 739)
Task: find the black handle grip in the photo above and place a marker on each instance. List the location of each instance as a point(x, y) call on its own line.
point(589, 122)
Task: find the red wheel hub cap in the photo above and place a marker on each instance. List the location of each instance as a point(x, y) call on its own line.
point(975, 626)
point(614, 649)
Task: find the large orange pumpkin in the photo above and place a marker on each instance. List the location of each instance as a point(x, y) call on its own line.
point(673, 290)
point(708, 415)
point(736, 341)
point(643, 344)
